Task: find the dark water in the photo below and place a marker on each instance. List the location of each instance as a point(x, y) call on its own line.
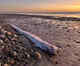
point(60, 15)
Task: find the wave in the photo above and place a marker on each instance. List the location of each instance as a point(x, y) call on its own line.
point(61, 17)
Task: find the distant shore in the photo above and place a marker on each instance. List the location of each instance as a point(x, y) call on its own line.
point(46, 17)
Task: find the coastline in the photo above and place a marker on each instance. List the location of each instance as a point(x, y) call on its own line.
point(61, 18)
point(65, 34)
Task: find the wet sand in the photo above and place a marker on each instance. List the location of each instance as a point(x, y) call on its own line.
point(64, 34)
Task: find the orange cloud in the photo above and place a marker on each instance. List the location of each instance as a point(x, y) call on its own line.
point(73, 7)
point(60, 7)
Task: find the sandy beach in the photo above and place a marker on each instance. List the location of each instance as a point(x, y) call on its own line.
point(62, 33)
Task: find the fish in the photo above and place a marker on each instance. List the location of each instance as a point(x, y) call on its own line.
point(39, 43)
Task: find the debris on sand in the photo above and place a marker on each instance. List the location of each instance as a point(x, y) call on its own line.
point(39, 43)
point(16, 50)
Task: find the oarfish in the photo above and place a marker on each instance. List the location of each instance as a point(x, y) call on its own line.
point(39, 43)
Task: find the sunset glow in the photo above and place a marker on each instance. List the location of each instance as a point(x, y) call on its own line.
point(40, 5)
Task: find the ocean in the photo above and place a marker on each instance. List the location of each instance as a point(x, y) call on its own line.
point(66, 15)
point(57, 15)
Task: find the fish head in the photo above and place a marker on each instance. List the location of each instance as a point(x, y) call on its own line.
point(53, 51)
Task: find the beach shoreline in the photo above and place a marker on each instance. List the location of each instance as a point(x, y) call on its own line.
point(61, 18)
point(62, 33)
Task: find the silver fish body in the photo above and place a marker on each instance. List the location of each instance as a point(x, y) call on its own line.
point(39, 43)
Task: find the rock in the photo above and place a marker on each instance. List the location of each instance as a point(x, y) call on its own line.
point(16, 49)
point(76, 27)
point(77, 41)
point(9, 33)
point(1, 41)
point(2, 37)
point(28, 56)
point(0, 64)
point(78, 31)
point(37, 55)
point(12, 61)
point(13, 39)
point(2, 30)
point(68, 45)
point(6, 65)
point(15, 53)
point(5, 32)
point(0, 27)
point(3, 47)
point(15, 35)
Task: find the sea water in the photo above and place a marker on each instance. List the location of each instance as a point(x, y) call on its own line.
point(58, 14)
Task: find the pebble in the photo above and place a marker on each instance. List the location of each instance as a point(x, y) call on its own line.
point(28, 56)
point(0, 27)
point(2, 30)
point(38, 55)
point(13, 39)
point(77, 41)
point(1, 41)
point(15, 35)
point(13, 50)
point(56, 62)
point(15, 53)
point(79, 59)
point(6, 65)
point(12, 62)
point(70, 28)
point(77, 54)
point(32, 50)
point(5, 32)
point(0, 64)
point(3, 47)
point(68, 45)
point(6, 39)
point(2, 36)
point(78, 31)
point(9, 33)
point(76, 27)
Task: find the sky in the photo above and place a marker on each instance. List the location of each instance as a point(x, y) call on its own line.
point(40, 5)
